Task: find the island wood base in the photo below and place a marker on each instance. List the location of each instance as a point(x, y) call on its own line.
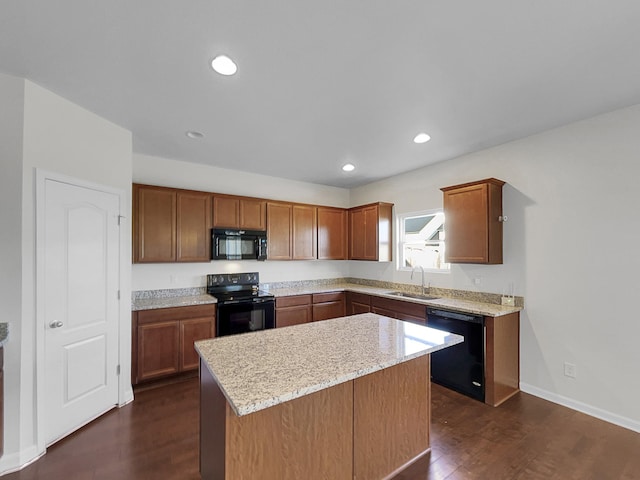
point(364, 429)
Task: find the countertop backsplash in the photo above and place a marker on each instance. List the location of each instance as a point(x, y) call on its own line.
point(467, 295)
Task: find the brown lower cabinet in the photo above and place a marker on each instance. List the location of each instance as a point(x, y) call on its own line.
point(412, 312)
point(293, 310)
point(502, 358)
point(357, 303)
point(367, 428)
point(298, 309)
point(502, 340)
point(328, 305)
point(162, 340)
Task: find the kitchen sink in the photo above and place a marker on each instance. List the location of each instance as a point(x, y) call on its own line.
point(417, 296)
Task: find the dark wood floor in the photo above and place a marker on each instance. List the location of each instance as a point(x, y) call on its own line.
point(156, 437)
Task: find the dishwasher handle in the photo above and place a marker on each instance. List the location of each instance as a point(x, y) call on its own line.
point(465, 317)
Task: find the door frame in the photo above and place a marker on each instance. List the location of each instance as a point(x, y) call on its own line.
point(125, 390)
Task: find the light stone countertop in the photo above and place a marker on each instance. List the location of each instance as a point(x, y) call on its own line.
point(168, 302)
point(467, 306)
point(458, 304)
point(261, 369)
point(4, 333)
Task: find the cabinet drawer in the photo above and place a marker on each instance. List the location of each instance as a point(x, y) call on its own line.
point(361, 298)
point(293, 300)
point(398, 315)
point(327, 310)
point(176, 313)
point(296, 315)
point(409, 309)
point(328, 297)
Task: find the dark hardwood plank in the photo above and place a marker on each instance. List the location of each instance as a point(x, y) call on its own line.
point(526, 438)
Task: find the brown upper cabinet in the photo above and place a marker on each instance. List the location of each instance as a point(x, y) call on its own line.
point(239, 212)
point(173, 225)
point(291, 231)
point(332, 233)
point(473, 222)
point(170, 225)
point(370, 232)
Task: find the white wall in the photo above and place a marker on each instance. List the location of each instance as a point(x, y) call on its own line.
point(173, 173)
point(571, 249)
point(59, 137)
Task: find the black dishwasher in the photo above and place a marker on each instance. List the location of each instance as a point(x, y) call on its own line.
point(460, 367)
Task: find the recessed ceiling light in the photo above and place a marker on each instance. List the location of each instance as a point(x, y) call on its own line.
point(421, 138)
point(348, 167)
point(194, 134)
point(224, 65)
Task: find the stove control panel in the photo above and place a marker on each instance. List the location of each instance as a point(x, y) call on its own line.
point(229, 279)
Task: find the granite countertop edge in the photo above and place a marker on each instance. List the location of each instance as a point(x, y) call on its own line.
point(461, 305)
point(169, 302)
point(467, 306)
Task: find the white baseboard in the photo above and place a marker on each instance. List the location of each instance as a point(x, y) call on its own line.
point(13, 462)
point(582, 407)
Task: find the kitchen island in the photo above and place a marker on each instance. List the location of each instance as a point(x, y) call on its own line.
point(347, 398)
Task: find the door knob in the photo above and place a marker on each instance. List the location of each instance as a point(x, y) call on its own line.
point(55, 324)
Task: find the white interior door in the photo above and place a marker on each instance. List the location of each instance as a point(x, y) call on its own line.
point(81, 270)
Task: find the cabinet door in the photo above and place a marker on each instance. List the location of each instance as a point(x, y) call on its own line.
point(466, 225)
point(190, 331)
point(226, 212)
point(287, 316)
point(158, 349)
point(279, 231)
point(304, 232)
point(253, 214)
point(356, 308)
point(357, 303)
point(370, 233)
point(193, 227)
point(155, 224)
point(473, 222)
point(356, 234)
point(332, 233)
point(327, 310)
point(293, 310)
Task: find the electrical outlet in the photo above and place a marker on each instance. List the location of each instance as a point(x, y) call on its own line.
point(569, 370)
point(508, 301)
point(477, 281)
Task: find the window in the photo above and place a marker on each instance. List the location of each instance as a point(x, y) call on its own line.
point(421, 241)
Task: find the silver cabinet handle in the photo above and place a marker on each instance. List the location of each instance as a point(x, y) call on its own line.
point(55, 324)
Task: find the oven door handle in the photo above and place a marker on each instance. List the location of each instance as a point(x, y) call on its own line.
point(262, 300)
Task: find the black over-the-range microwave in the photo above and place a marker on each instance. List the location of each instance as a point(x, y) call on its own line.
point(230, 244)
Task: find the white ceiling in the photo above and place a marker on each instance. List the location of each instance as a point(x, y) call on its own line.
point(321, 83)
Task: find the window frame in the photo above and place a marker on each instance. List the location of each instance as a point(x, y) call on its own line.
point(400, 221)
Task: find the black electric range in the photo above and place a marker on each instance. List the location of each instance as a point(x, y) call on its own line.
point(241, 305)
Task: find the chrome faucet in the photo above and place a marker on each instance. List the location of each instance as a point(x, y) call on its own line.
point(425, 290)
